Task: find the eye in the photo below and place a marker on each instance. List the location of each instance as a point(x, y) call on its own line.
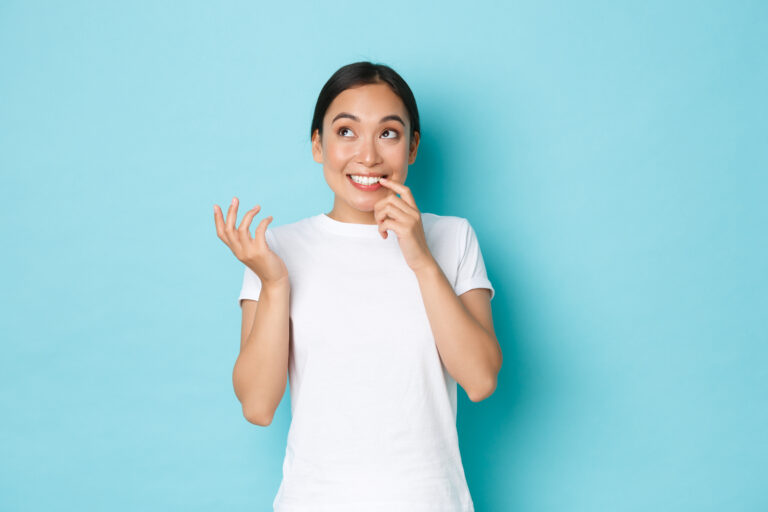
point(340, 131)
point(393, 132)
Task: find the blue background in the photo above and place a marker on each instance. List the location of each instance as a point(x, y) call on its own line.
point(611, 156)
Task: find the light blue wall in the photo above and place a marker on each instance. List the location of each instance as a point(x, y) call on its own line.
point(612, 158)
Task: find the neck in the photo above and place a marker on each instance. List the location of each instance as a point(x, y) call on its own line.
point(343, 212)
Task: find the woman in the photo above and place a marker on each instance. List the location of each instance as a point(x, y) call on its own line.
point(375, 310)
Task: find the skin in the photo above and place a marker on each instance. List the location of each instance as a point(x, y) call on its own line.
point(462, 326)
point(366, 147)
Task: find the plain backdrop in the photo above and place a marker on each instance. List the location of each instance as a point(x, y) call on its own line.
point(611, 156)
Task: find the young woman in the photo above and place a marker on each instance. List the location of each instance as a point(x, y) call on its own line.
point(375, 310)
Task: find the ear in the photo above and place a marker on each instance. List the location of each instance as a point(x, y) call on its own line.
point(317, 147)
point(414, 147)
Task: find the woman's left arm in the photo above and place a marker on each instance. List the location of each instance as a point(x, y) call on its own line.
point(463, 330)
point(462, 326)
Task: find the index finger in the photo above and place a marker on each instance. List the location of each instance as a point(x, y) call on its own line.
point(405, 192)
point(245, 224)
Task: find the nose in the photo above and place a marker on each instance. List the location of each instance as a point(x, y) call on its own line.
point(368, 154)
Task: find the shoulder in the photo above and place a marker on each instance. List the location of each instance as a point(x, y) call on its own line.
point(443, 225)
point(287, 235)
point(444, 233)
point(433, 219)
point(292, 228)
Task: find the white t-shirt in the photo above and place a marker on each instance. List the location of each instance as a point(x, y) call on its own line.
point(373, 409)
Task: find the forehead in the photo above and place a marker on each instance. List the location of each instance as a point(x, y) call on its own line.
point(369, 102)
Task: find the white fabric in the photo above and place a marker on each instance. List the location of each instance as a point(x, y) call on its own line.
point(373, 408)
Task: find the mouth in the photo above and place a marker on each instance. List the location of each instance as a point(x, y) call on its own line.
point(366, 182)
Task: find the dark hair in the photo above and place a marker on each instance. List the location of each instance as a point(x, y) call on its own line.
point(361, 73)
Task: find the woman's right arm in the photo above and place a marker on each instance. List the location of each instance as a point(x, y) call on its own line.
point(259, 376)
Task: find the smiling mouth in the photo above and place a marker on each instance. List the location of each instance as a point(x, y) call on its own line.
point(362, 179)
point(366, 182)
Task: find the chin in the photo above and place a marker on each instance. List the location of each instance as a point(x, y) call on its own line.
point(363, 207)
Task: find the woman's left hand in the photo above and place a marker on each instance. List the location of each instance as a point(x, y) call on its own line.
point(401, 215)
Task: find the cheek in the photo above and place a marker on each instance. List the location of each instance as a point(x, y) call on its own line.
point(395, 155)
point(340, 153)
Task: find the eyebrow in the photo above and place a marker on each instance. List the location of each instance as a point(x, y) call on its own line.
point(391, 117)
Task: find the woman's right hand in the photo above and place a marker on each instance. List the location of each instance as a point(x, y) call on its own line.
point(253, 252)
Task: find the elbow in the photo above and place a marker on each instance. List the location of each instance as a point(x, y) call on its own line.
point(480, 394)
point(258, 417)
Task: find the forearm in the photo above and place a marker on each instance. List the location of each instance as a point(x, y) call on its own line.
point(468, 351)
point(259, 376)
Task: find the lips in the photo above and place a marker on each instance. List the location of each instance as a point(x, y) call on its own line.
point(371, 187)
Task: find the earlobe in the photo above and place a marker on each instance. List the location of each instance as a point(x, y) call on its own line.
point(317, 148)
point(414, 148)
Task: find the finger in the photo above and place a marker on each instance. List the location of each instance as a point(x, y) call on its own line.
point(385, 225)
point(378, 205)
point(397, 202)
point(232, 214)
point(245, 224)
point(221, 227)
point(219, 221)
point(230, 235)
point(388, 185)
point(401, 189)
point(378, 209)
point(261, 230)
point(400, 203)
point(391, 211)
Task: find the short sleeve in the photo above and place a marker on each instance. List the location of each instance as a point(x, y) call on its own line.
point(251, 287)
point(471, 272)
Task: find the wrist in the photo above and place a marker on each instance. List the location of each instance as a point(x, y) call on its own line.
point(278, 287)
point(429, 268)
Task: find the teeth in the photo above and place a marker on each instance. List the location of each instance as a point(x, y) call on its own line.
point(363, 180)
